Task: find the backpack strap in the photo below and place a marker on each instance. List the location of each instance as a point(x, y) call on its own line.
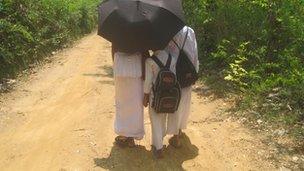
point(176, 44)
point(186, 37)
point(168, 63)
point(160, 64)
point(157, 61)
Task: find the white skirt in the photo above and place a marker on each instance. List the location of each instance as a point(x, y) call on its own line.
point(129, 119)
point(127, 65)
point(179, 119)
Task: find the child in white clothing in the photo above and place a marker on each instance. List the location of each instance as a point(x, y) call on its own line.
point(158, 120)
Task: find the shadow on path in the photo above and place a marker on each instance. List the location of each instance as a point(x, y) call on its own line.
point(140, 158)
point(107, 69)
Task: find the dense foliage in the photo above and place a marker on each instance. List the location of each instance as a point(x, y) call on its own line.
point(255, 47)
point(30, 29)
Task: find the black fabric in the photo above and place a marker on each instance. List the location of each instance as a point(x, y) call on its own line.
point(185, 70)
point(139, 25)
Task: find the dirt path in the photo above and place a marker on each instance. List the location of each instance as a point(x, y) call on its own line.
point(61, 118)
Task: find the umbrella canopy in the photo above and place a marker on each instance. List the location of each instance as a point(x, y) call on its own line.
point(139, 25)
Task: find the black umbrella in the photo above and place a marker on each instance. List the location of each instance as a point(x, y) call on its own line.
point(138, 25)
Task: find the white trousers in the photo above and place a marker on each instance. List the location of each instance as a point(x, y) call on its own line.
point(179, 120)
point(158, 127)
point(162, 124)
point(129, 118)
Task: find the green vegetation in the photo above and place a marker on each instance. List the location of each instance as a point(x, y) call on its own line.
point(254, 48)
point(31, 29)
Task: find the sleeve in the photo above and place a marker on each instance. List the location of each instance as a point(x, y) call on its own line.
point(194, 49)
point(145, 56)
point(114, 50)
point(149, 77)
point(196, 54)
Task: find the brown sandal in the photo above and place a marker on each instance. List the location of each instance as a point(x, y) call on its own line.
point(123, 141)
point(130, 142)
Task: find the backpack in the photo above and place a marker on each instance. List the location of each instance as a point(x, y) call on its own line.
point(166, 90)
point(185, 70)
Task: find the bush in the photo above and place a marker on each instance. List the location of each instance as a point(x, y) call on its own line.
point(30, 29)
point(257, 47)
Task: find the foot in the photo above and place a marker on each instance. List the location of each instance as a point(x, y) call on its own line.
point(175, 141)
point(181, 134)
point(121, 141)
point(158, 154)
point(130, 142)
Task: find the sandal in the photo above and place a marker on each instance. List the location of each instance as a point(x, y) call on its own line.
point(130, 142)
point(175, 142)
point(121, 141)
point(158, 154)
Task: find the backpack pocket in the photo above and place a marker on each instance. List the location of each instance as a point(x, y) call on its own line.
point(167, 100)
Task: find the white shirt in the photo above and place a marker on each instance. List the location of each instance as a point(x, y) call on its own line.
point(190, 48)
point(127, 65)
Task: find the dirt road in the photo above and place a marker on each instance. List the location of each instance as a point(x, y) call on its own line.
point(61, 118)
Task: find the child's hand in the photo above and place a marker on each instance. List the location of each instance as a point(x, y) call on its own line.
point(146, 100)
